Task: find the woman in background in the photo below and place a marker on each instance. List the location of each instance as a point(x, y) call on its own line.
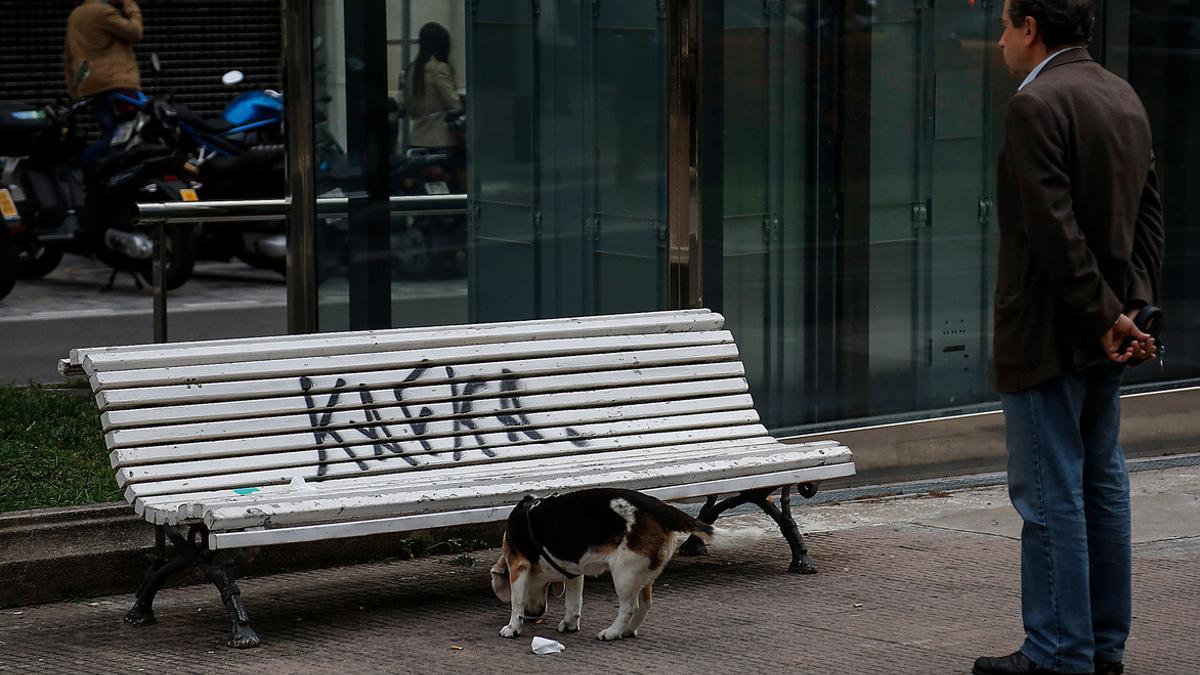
point(430, 92)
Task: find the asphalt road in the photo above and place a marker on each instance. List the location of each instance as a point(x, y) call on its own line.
point(41, 321)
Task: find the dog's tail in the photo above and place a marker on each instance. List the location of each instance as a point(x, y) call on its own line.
point(703, 531)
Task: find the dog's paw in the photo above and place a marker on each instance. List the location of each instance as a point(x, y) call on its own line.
point(565, 626)
point(509, 632)
point(629, 633)
point(608, 634)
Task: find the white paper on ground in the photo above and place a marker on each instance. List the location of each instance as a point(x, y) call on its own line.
point(541, 645)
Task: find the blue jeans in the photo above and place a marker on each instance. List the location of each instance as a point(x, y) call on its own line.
point(1067, 479)
point(106, 118)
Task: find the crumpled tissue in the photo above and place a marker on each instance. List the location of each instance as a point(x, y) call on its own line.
point(541, 645)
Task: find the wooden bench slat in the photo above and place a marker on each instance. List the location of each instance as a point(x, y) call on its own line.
point(318, 510)
point(721, 356)
point(183, 507)
point(430, 442)
point(495, 513)
point(432, 419)
point(421, 393)
point(76, 356)
point(553, 469)
point(367, 342)
point(175, 508)
point(640, 434)
point(407, 425)
point(418, 358)
point(395, 463)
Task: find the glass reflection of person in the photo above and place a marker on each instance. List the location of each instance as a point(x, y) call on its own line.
point(430, 92)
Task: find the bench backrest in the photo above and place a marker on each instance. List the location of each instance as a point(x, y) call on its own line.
point(242, 414)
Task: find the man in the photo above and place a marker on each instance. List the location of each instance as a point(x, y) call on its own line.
point(102, 34)
point(1081, 246)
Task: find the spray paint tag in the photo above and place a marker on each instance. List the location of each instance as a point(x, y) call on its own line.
point(246, 491)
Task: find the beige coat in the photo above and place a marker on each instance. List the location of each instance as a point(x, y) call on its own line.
point(98, 34)
point(427, 110)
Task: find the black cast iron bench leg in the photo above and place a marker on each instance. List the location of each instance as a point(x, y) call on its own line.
point(192, 551)
point(782, 515)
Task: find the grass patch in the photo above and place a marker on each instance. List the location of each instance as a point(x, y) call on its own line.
point(52, 450)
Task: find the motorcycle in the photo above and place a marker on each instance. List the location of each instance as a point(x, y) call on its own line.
point(61, 208)
point(422, 246)
point(239, 155)
point(8, 263)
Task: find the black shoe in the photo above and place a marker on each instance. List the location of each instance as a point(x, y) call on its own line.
point(1109, 668)
point(1012, 664)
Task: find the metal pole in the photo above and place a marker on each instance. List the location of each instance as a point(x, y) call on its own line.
point(298, 97)
point(277, 209)
point(160, 283)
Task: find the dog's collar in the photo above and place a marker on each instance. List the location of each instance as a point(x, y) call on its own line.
point(537, 543)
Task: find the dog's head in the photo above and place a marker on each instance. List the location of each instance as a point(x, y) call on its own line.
point(509, 567)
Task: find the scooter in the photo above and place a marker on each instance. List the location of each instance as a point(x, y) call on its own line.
point(60, 209)
point(238, 156)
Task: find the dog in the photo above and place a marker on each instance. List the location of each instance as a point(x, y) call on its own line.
point(562, 538)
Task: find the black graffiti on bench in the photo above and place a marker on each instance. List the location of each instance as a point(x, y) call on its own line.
point(462, 406)
point(385, 442)
point(319, 424)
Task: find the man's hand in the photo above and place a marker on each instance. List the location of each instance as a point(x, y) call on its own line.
point(1140, 346)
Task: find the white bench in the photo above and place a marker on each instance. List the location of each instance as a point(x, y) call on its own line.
point(251, 442)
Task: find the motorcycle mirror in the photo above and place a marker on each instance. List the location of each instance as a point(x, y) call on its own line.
point(232, 77)
point(155, 62)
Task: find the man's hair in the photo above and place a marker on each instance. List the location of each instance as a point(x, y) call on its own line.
point(1061, 23)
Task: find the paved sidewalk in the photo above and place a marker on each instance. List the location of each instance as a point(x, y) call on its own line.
point(913, 584)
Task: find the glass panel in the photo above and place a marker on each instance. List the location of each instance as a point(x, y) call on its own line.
point(563, 158)
point(857, 270)
point(1164, 67)
point(383, 131)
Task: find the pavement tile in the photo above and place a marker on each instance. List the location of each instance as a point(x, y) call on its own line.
point(929, 601)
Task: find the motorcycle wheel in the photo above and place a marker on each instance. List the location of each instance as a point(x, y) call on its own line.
point(181, 258)
point(8, 262)
point(37, 261)
point(411, 254)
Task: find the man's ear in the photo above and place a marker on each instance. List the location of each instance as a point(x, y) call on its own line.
point(1031, 29)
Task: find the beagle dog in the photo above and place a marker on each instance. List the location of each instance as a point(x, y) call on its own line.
point(562, 538)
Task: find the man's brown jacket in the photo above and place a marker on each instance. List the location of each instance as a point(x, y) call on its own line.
point(1081, 227)
point(99, 34)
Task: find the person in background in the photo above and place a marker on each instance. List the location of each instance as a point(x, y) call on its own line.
point(102, 33)
point(430, 92)
point(1081, 251)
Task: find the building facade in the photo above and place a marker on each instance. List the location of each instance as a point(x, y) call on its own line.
point(822, 173)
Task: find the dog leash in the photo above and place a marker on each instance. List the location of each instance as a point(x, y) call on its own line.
point(537, 543)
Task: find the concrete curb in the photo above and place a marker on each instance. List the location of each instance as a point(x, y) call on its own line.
point(48, 555)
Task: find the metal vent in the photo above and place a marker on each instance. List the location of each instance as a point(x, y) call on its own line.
point(196, 40)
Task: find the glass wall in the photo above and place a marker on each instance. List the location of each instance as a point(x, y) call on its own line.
point(857, 237)
point(823, 171)
point(553, 114)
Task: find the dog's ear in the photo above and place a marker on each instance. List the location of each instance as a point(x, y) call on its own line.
point(500, 583)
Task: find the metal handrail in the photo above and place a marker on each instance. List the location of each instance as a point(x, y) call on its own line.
point(162, 214)
point(277, 209)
